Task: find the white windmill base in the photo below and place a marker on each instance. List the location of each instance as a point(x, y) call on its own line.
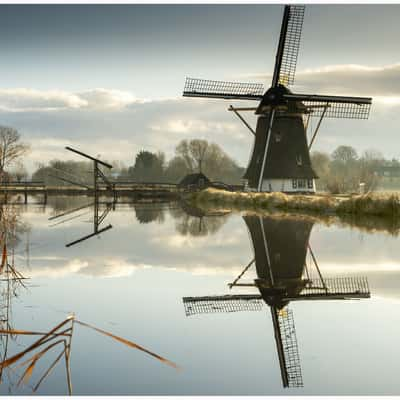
point(285, 185)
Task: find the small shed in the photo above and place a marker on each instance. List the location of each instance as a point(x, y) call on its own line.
point(192, 181)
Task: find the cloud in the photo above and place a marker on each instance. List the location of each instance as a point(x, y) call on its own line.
point(22, 99)
point(188, 126)
point(112, 268)
point(348, 79)
point(103, 98)
point(60, 267)
point(25, 100)
point(57, 268)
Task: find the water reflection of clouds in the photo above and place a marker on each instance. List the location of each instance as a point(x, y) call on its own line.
point(181, 242)
point(131, 247)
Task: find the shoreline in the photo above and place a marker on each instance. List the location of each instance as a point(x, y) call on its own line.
point(370, 212)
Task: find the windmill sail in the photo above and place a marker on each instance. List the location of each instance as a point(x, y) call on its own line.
point(287, 347)
point(222, 304)
point(333, 106)
point(223, 90)
point(289, 44)
point(337, 288)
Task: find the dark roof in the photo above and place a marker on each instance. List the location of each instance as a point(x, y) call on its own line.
point(285, 248)
point(288, 156)
point(193, 179)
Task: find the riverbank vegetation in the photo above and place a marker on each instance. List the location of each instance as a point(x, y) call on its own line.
point(374, 204)
point(368, 213)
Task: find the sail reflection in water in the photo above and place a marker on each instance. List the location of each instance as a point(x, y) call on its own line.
point(280, 248)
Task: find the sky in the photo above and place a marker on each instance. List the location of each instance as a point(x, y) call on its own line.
point(108, 79)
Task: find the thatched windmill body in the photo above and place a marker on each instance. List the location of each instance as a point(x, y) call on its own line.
point(280, 160)
point(280, 248)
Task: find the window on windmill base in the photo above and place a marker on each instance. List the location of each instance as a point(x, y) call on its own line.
point(278, 137)
point(301, 183)
point(294, 183)
point(299, 160)
point(310, 184)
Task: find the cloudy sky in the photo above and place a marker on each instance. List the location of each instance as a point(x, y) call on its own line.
point(108, 79)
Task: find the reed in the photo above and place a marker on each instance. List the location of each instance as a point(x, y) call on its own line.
point(59, 337)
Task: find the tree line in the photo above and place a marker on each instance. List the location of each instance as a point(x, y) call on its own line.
point(190, 156)
point(344, 170)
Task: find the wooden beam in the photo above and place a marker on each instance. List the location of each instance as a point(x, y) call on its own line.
point(89, 157)
point(242, 119)
point(241, 274)
point(317, 128)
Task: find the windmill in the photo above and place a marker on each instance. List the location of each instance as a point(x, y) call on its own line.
point(283, 275)
point(281, 155)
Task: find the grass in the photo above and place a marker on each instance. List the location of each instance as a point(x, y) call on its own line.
point(370, 212)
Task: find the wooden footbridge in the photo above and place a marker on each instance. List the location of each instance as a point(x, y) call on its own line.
point(102, 186)
point(137, 190)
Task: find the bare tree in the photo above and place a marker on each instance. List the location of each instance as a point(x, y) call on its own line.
point(182, 150)
point(208, 158)
point(193, 153)
point(11, 147)
point(198, 149)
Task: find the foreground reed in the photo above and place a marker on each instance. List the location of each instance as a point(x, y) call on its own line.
point(58, 337)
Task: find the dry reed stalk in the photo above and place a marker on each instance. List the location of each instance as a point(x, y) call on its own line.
point(56, 337)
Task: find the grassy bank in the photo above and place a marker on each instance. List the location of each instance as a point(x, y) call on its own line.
point(375, 204)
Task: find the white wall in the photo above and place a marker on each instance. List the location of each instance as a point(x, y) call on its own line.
point(283, 185)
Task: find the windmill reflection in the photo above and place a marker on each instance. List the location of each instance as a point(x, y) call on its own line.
point(284, 274)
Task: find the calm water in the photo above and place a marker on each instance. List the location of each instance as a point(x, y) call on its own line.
point(131, 281)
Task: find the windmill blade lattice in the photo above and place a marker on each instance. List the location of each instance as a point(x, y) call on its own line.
point(223, 90)
point(292, 45)
point(333, 106)
point(292, 367)
point(338, 110)
point(348, 287)
point(222, 304)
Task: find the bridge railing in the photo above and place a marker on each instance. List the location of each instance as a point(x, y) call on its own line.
point(23, 183)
